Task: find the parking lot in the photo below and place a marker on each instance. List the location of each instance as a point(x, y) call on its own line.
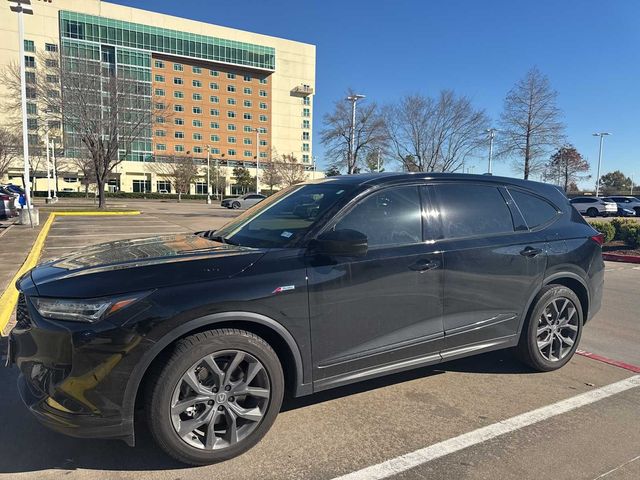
point(345, 430)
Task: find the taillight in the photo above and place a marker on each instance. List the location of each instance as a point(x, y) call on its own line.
point(599, 238)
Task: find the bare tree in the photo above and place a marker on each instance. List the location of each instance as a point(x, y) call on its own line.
point(84, 165)
point(180, 171)
point(270, 175)
point(9, 150)
point(336, 134)
point(530, 123)
point(429, 135)
point(566, 166)
point(290, 170)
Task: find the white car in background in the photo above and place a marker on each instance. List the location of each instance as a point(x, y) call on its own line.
point(627, 202)
point(594, 206)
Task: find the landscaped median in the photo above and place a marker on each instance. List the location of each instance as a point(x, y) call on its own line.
point(622, 240)
point(9, 297)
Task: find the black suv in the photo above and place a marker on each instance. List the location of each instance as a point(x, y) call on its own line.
point(322, 284)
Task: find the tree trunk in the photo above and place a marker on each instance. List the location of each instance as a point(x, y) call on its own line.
point(179, 197)
point(86, 190)
point(527, 153)
point(101, 195)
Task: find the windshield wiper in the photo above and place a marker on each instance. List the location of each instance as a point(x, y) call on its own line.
point(221, 239)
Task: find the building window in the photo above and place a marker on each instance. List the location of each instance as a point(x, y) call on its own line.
point(247, 91)
point(178, 67)
point(159, 92)
point(30, 77)
point(201, 188)
point(196, 70)
point(306, 124)
point(231, 139)
point(163, 186)
point(197, 136)
point(263, 93)
point(160, 133)
point(197, 149)
point(214, 125)
point(231, 101)
point(231, 76)
point(214, 99)
point(215, 138)
point(231, 88)
point(214, 73)
point(263, 106)
point(197, 123)
point(263, 118)
point(178, 134)
point(213, 86)
point(231, 152)
point(178, 94)
point(53, 93)
point(263, 154)
point(214, 112)
point(160, 106)
point(248, 153)
point(159, 64)
point(247, 103)
point(197, 97)
point(29, 46)
point(306, 112)
point(32, 109)
point(178, 121)
point(247, 78)
point(141, 186)
point(231, 127)
point(305, 158)
point(197, 110)
point(161, 146)
point(262, 130)
point(29, 62)
point(50, 62)
point(247, 141)
point(54, 125)
point(179, 148)
point(248, 129)
point(215, 151)
point(196, 83)
point(160, 120)
point(306, 101)
point(51, 47)
point(231, 114)
point(305, 147)
point(305, 135)
point(159, 78)
point(32, 123)
point(178, 108)
point(178, 81)
point(263, 143)
point(247, 116)
point(263, 81)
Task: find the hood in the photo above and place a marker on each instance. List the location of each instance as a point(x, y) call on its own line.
point(140, 264)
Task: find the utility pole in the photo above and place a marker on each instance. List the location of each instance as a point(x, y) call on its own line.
point(601, 135)
point(492, 134)
point(257, 130)
point(54, 169)
point(352, 142)
point(48, 145)
point(208, 176)
point(379, 150)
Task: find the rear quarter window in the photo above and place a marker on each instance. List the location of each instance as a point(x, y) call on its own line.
point(535, 210)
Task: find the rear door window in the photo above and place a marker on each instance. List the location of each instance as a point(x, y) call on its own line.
point(534, 209)
point(468, 210)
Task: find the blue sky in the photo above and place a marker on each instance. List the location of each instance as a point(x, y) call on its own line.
point(590, 51)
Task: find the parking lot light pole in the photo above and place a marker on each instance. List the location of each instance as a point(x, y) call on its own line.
point(492, 134)
point(601, 135)
point(257, 130)
point(352, 141)
point(208, 175)
point(54, 170)
point(47, 146)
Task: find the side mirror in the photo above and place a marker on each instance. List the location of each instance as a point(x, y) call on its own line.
point(341, 243)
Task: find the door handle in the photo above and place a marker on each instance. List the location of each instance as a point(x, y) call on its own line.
point(530, 252)
point(424, 265)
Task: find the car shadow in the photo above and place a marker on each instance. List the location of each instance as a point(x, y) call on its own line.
point(27, 446)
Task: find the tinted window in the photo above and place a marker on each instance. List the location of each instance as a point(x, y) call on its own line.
point(535, 210)
point(390, 217)
point(469, 210)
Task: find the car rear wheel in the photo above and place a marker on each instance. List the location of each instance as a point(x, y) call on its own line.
point(235, 205)
point(552, 331)
point(216, 397)
point(592, 212)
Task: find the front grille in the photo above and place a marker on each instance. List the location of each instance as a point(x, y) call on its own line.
point(22, 313)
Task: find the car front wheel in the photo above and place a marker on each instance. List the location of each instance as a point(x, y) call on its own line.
point(216, 397)
point(235, 205)
point(592, 212)
point(552, 331)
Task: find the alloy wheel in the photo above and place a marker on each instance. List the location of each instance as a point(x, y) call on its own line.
point(557, 329)
point(220, 400)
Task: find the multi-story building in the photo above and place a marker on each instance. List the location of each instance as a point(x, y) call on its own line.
point(233, 94)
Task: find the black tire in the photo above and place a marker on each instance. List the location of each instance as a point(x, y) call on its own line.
point(235, 205)
point(527, 349)
point(592, 212)
point(188, 351)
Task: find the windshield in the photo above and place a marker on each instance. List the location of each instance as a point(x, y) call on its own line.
point(284, 217)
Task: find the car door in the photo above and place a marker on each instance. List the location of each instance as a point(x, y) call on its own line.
point(492, 265)
point(381, 309)
point(251, 200)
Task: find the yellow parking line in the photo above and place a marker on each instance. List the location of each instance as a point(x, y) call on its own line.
point(9, 297)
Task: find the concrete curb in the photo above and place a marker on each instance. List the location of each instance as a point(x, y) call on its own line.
point(9, 297)
point(614, 257)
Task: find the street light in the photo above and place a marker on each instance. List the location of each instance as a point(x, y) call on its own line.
point(601, 135)
point(208, 176)
point(492, 134)
point(257, 130)
point(353, 99)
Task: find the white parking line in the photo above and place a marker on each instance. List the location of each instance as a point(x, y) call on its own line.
point(130, 234)
point(411, 460)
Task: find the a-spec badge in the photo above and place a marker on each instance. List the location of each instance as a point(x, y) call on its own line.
point(284, 288)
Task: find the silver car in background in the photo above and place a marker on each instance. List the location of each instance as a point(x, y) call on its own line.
point(245, 201)
point(626, 202)
point(594, 206)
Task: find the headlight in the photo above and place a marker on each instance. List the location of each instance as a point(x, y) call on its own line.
point(83, 310)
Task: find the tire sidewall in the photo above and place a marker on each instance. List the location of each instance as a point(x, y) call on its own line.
point(235, 205)
point(535, 358)
point(167, 380)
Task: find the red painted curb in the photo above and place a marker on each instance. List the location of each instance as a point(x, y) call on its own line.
point(614, 257)
point(609, 361)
